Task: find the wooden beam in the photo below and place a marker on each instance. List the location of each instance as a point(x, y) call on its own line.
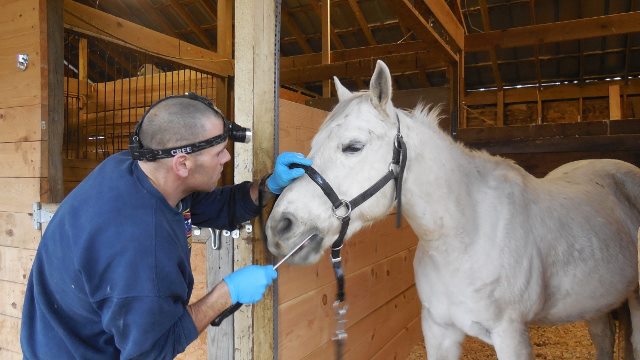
point(448, 20)
point(89, 21)
point(617, 24)
point(210, 9)
point(457, 11)
point(292, 62)
point(550, 130)
point(291, 25)
point(192, 24)
point(83, 62)
point(413, 19)
point(326, 44)
point(558, 92)
point(334, 35)
point(156, 17)
point(364, 25)
point(602, 143)
point(500, 108)
point(614, 102)
point(398, 63)
point(255, 108)
point(536, 48)
point(52, 68)
point(628, 40)
point(225, 28)
point(486, 24)
point(348, 31)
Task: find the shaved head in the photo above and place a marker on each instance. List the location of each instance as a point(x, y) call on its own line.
point(176, 122)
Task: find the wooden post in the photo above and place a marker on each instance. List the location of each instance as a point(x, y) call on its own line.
point(254, 107)
point(52, 81)
point(539, 99)
point(31, 108)
point(614, 102)
point(461, 92)
point(326, 43)
point(500, 109)
point(580, 108)
point(83, 67)
point(220, 340)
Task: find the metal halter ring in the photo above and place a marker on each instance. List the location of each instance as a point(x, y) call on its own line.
point(343, 203)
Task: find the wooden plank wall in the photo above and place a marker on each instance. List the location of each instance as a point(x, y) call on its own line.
point(22, 158)
point(383, 320)
point(100, 120)
point(557, 104)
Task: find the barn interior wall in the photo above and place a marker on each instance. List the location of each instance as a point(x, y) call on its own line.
point(100, 120)
point(22, 158)
point(559, 104)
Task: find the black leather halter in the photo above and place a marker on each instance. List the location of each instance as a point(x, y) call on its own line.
point(342, 211)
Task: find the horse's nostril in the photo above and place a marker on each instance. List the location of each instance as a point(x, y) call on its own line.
point(284, 226)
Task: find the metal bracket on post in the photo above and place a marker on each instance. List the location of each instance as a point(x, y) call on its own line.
point(200, 236)
point(42, 213)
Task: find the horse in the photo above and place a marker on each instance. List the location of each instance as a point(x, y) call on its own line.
point(498, 249)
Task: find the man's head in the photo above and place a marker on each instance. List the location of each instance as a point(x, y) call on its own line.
point(177, 124)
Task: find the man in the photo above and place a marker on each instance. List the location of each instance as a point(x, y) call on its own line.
point(112, 276)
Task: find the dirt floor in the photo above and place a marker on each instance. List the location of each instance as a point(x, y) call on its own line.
point(549, 343)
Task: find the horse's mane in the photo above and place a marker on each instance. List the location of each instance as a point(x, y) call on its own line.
point(430, 115)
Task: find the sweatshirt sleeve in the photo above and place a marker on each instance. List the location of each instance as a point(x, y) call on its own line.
point(147, 327)
point(225, 207)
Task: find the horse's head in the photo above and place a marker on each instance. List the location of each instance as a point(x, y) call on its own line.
point(352, 150)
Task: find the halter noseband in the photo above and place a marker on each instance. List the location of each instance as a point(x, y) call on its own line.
point(396, 173)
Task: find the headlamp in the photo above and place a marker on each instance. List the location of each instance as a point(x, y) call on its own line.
point(232, 131)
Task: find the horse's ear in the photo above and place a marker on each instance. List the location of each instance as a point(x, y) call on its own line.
point(342, 91)
point(380, 86)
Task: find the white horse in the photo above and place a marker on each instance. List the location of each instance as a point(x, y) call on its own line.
point(498, 248)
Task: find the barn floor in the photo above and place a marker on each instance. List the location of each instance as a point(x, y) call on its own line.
point(557, 342)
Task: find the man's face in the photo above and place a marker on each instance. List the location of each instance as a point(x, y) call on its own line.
point(210, 162)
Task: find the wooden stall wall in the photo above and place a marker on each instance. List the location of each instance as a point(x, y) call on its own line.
point(383, 320)
point(100, 116)
point(23, 156)
point(613, 100)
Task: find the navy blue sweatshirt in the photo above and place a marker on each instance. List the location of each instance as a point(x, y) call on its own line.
point(112, 276)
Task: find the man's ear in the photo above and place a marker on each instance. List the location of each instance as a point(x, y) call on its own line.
point(181, 165)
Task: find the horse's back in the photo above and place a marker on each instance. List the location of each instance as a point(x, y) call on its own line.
point(603, 185)
point(597, 168)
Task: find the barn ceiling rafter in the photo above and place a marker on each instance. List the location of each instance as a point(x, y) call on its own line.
point(506, 43)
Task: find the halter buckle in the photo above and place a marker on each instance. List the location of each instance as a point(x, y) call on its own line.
point(396, 141)
point(394, 168)
point(347, 205)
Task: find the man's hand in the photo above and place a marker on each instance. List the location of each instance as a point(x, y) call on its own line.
point(248, 284)
point(282, 174)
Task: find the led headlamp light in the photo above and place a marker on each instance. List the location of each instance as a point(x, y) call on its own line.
point(232, 131)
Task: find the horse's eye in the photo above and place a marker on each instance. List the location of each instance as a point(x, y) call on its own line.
point(352, 147)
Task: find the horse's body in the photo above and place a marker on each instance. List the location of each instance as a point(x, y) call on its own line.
point(499, 249)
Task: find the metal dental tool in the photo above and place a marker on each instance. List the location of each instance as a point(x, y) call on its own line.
point(233, 308)
point(275, 267)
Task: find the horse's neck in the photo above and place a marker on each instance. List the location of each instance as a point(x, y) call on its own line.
point(441, 180)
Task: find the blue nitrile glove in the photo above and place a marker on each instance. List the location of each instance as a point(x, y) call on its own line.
point(248, 284)
point(282, 174)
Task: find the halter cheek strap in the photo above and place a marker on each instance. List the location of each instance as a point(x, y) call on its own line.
point(342, 210)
